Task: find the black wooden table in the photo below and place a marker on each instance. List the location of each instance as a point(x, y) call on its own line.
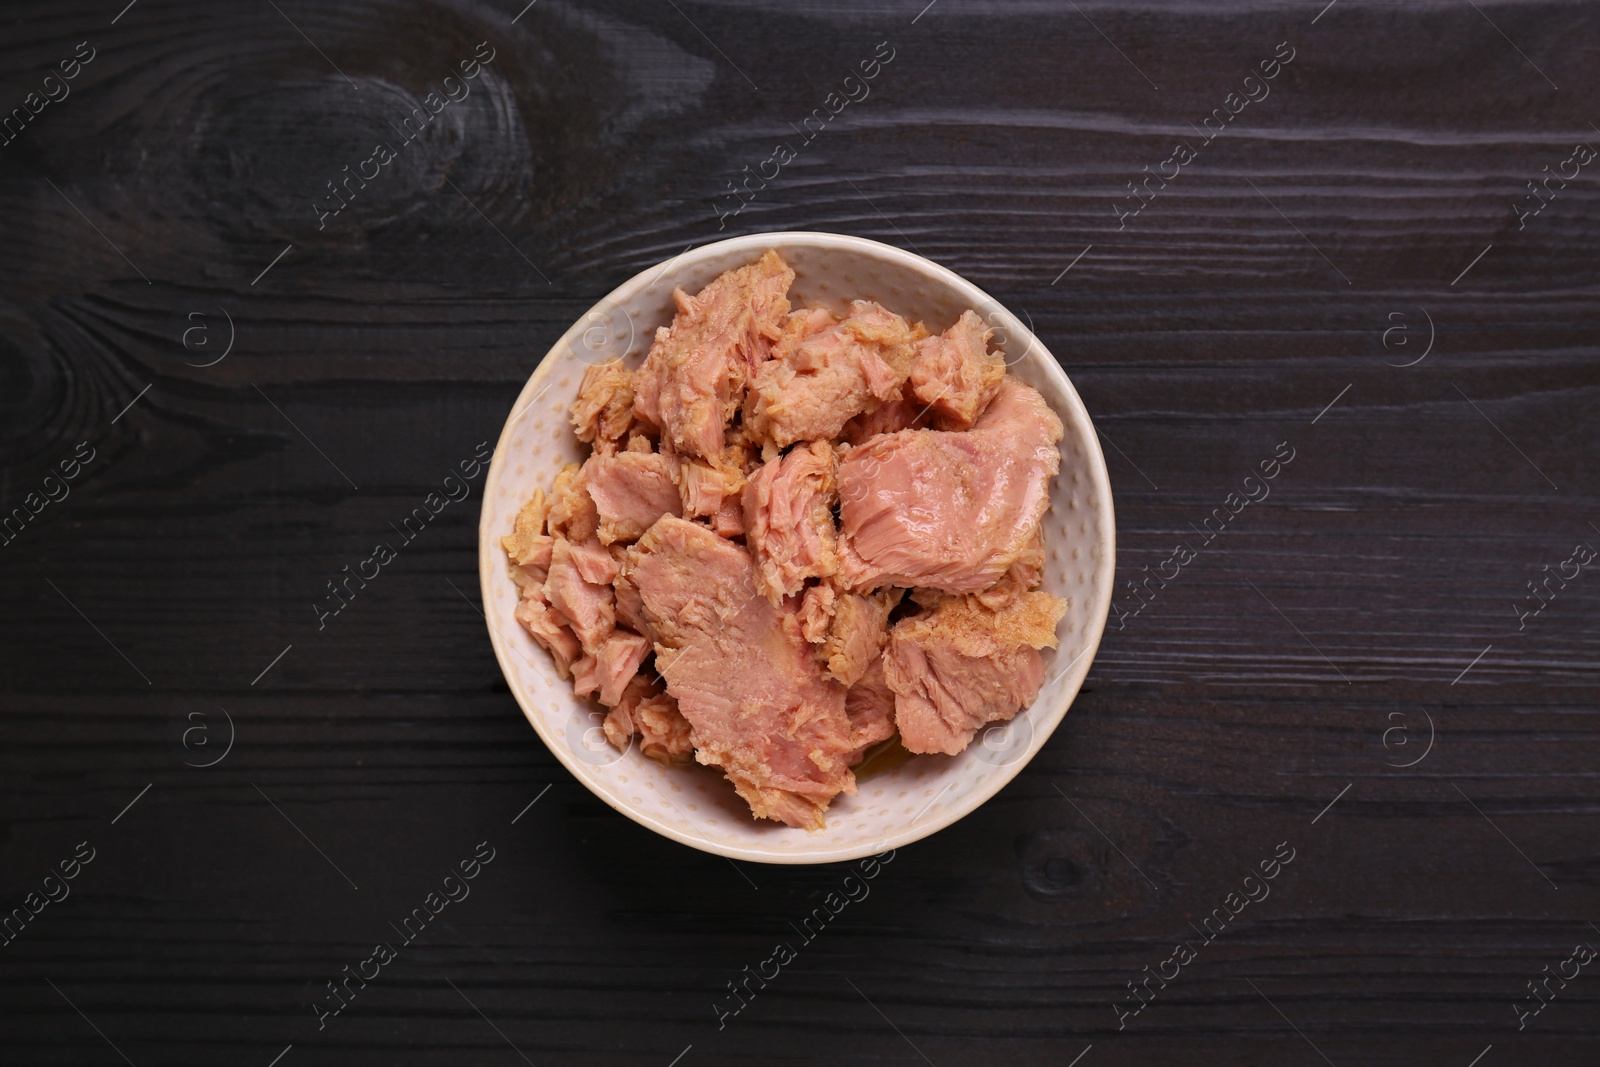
point(238, 340)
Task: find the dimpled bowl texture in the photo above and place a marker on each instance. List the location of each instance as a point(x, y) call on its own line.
point(694, 804)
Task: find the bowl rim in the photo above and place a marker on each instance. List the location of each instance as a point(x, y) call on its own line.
point(1064, 689)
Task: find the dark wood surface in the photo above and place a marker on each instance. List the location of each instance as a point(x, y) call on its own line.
point(1375, 591)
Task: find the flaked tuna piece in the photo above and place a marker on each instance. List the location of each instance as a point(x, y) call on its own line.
point(522, 577)
point(850, 628)
point(729, 519)
point(788, 519)
point(829, 377)
point(961, 666)
point(546, 627)
point(604, 408)
point(948, 510)
point(693, 378)
point(816, 612)
point(586, 606)
point(617, 662)
point(956, 375)
point(701, 488)
point(653, 716)
point(741, 452)
point(869, 705)
point(704, 484)
point(664, 734)
point(593, 562)
point(585, 676)
point(891, 416)
point(618, 724)
point(799, 325)
point(630, 610)
point(579, 593)
point(528, 546)
point(629, 490)
point(1024, 575)
point(572, 513)
point(743, 676)
point(857, 633)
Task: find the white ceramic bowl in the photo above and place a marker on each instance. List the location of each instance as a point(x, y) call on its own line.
point(695, 805)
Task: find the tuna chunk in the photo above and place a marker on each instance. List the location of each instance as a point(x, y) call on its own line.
point(816, 612)
point(901, 413)
point(703, 485)
point(694, 377)
point(579, 594)
point(617, 661)
point(604, 408)
point(586, 676)
point(653, 717)
point(743, 676)
point(788, 519)
point(618, 724)
point(870, 707)
point(528, 545)
point(592, 562)
point(664, 734)
point(663, 731)
point(729, 519)
point(572, 513)
point(630, 611)
point(856, 634)
point(956, 375)
point(959, 666)
point(1024, 575)
point(630, 491)
point(533, 611)
point(829, 377)
point(799, 325)
point(584, 604)
point(524, 576)
point(948, 510)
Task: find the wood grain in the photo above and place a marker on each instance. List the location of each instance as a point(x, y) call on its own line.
point(1220, 720)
